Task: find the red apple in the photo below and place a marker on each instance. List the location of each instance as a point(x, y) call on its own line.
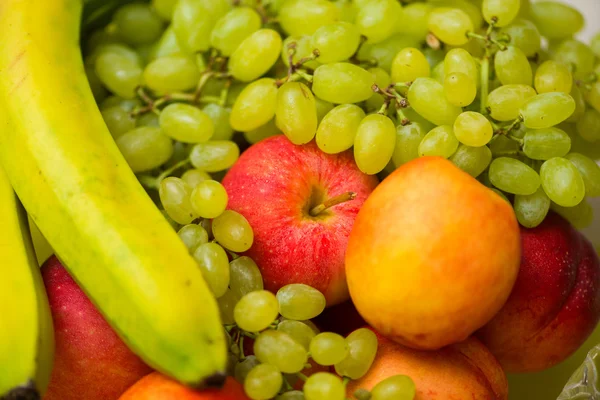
point(555, 303)
point(90, 360)
point(275, 185)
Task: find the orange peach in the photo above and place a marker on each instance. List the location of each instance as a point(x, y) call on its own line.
point(433, 255)
point(465, 370)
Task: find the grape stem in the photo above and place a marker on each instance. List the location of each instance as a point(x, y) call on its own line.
point(342, 198)
point(488, 39)
point(241, 346)
point(301, 376)
point(170, 170)
point(384, 107)
point(402, 119)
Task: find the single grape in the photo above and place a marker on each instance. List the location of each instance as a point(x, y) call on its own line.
point(298, 330)
point(450, 25)
point(233, 231)
point(408, 139)
point(194, 176)
point(383, 53)
point(562, 182)
point(580, 216)
point(473, 129)
point(590, 172)
point(262, 132)
point(118, 73)
point(116, 101)
point(294, 394)
point(426, 96)
point(255, 55)
point(209, 199)
point(263, 382)
point(547, 109)
point(580, 105)
point(164, 8)
point(323, 108)
point(193, 235)
point(149, 119)
point(553, 77)
point(459, 89)
point(512, 67)
point(338, 129)
point(502, 11)
point(324, 386)
point(556, 20)
point(280, 349)
point(219, 116)
point(472, 160)
point(524, 35)
point(374, 143)
point(186, 123)
point(440, 142)
point(172, 73)
point(304, 17)
point(214, 265)
point(544, 144)
point(226, 305)
point(336, 42)
point(193, 20)
point(417, 14)
point(328, 348)
point(118, 121)
point(233, 28)
point(459, 60)
point(576, 55)
point(513, 176)
point(255, 105)
point(377, 19)
point(506, 101)
point(245, 277)
point(588, 126)
point(592, 96)
point(532, 209)
point(243, 367)
point(256, 311)
point(296, 112)
point(397, 387)
point(137, 24)
point(341, 83)
point(362, 348)
point(410, 64)
point(175, 198)
point(300, 302)
point(167, 45)
point(214, 156)
point(145, 148)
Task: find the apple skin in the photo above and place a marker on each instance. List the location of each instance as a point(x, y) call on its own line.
point(90, 362)
point(274, 185)
point(555, 303)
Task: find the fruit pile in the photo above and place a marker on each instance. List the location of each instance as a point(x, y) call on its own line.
point(298, 199)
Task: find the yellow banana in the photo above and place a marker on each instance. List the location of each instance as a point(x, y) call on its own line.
point(80, 192)
point(26, 333)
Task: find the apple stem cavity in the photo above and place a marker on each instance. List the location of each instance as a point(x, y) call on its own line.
point(342, 198)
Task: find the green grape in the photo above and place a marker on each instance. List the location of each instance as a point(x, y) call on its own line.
point(170, 220)
point(115, 101)
point(137, 24)
point(255, 55)
point(580, 105)
point(512, 67)
point(595, 45)
point(439, 74)
point(280, 349)
point(502, 145)
point(118, 121)
point(503, 11)
point(408, 139)
point(296, 112)
point(374, 143)
point(233, 28)
point(547, 109)
point(164, 8)
point(471, 9)
point(383, 53)
point(145, 148)
point(114, 48)
point(194, 176)
point(166, 46)
point(304, 17)
point(338, 129)
point(544, 144)
point(300, 302)
point(410, 64)
point(472, 160)
point(234, 92)
point(192, 236)
point(377, 19)
point(473, 129)
point(263, 382)
point(592, 96)
point(346, 10)
point(243, 367)
point(220, 118)
point(562, 182)
point(214, 156)
point(362, 348)
point(397, 387)
point(299, 331)
point(256, 311)
point(294, 394)
point(209, 199)
point(553, 77)
point(426, 97)
point(589, 171)
point(580, 216)
point(506, 101)
point(417, 14)
point(175, 198)
point(524, 35)
point(302, 48)
point(148, 119)
point(101, 37)
point(328, 348)
point(440, 142)
point(459, 89)
point(245, 276)
point(450, 25)
point(255, 106)
point(435, 57)
point(172, 73)
point(556, 20)
point(324, 386)
point(120, 74)
point(193, 20)
point(341, 83)
point(532, 209)
point(513, 176)
point(226, 305)
point(96, 86)
point(577, 56)
point(232, 231)
point(323, 108)
point(214, 265)
point(186, 123)
point(382, 80)
point(459, 60)
point(262, 132)
point(336, 42)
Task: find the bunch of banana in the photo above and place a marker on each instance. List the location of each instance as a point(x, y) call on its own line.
point(26, 334)
point(76, 186)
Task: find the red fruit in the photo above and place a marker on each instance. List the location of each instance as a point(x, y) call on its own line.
point(274, 185)
point(90, 360)
point(555, 303)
